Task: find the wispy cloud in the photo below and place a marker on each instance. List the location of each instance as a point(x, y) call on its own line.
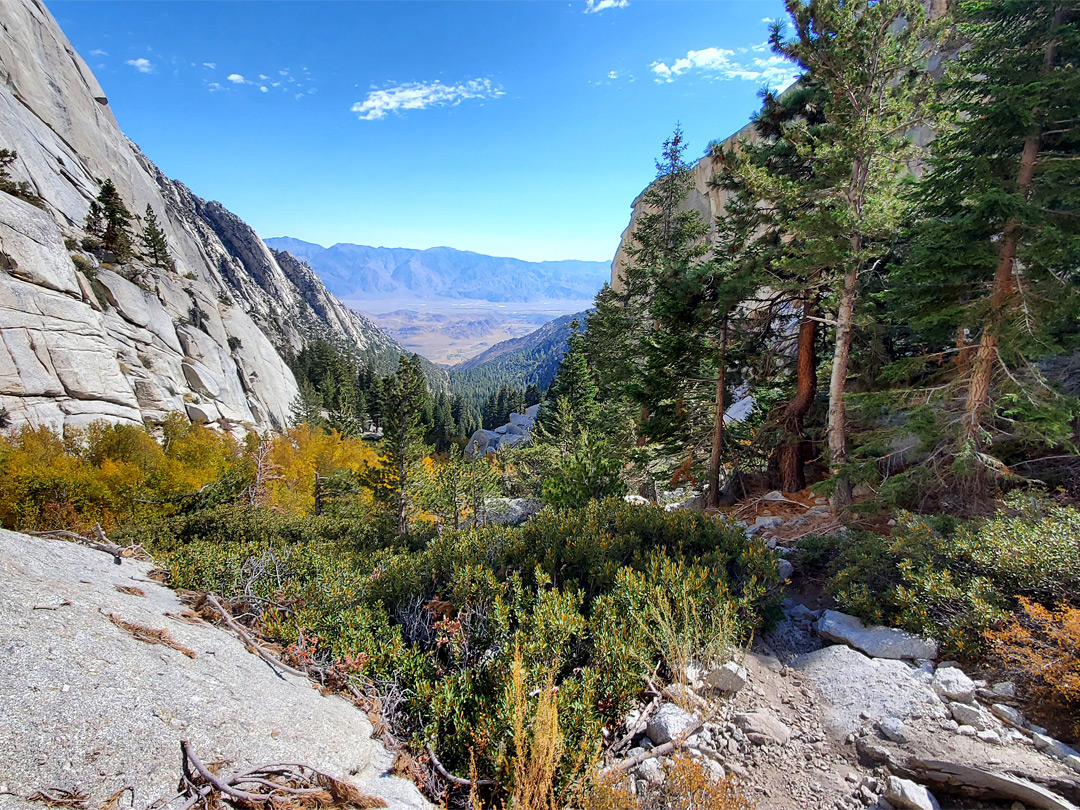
point(420, 95)
point(142, 65)
point(210, 65)
point(98, 52)
point(236, 78)
point(596, 6)
point(760, 66)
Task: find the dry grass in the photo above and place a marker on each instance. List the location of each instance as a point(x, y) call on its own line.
point(131, 590)
point(150, 635)
point(537, 752)
point(688, 785)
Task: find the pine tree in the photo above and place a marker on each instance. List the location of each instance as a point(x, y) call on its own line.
point(989, 283)
point(867, 58)
point(110, 220)
point(404, 395)
point(574, 383)
point(154, 242)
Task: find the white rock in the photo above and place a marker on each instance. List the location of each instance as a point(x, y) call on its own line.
point(953, 684)
point(967, 715)
point(636, 500)
point(774, 495)
point(893, 728)
point(1005, 689)
point(729, 678)
point(877, 642)
point(1008, 714)
point(855, 689)
point(906, 794)
point(669, 722)
point(762, 727)
point(989, 736)
point(966, 731)
point(785, 569)
point(768, 522)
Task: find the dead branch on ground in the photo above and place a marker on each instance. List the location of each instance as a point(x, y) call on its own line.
point(251, 643)
point(288, 784)
point(150, 635)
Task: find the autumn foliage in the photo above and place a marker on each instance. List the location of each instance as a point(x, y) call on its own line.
point(1040, 649)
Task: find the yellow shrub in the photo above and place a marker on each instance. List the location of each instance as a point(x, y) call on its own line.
point(301, 452)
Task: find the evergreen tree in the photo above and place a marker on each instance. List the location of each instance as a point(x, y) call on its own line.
point(110, 221)
point(532, 395)
point(16, 188)
point(867, 58)
point(989, 283)
point(307, 408)
point(154, 242)
point(404, 395)
point(574, 383)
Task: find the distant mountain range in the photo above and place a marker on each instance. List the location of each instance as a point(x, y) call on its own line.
point(359, 272)
point(520, 362)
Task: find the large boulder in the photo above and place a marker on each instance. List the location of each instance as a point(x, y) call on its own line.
point(857, 690)
point(877, 642)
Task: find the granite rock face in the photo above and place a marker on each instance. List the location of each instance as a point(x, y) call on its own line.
point(80, 687)
point(130, 342)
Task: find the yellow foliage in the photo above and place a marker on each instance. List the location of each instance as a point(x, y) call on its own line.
point(302, 452)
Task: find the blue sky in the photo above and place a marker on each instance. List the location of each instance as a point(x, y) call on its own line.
point(522, 129)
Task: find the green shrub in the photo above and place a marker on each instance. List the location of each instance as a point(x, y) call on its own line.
point(951, 579)
point(594, 599)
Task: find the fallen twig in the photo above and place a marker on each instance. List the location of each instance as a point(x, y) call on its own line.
point(150, 635)
point(65, 603)
point(449, 777)
point(637, 727)
point(659, 751)
point(248, 640)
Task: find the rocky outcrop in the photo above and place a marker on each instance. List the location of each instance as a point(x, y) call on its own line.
point(130, 342)
point(83, 681)
point(513, 433)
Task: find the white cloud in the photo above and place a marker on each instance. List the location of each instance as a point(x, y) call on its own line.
point(419, 95)
point(596, 6)
point(613, 74)
point(263, 76)
point(768, 20)
point(264, 89)
point(141, 65)
point(236, 78)
point(98, 52)
point(720, 63)
point(210, 65)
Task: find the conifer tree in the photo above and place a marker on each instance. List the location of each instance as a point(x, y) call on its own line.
point(574, 383)
point(867, 58)
point(154, 242)
point(404, 395)
point(990, 277)
point(110, 221)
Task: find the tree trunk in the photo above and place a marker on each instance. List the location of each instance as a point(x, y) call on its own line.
point(789, 454)
point(712, 500)
point(837, 424)
point(1004, 284)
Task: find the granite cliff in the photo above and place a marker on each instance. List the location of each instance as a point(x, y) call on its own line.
point(82, 338)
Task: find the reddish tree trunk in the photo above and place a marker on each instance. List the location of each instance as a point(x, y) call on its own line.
point(789, 454)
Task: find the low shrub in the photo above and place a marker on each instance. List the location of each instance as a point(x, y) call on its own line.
point(1039, 649)
point(590, 601)
point(952, 579)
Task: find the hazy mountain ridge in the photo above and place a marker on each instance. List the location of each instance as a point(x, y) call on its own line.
point(532, 359)
point(360, 271)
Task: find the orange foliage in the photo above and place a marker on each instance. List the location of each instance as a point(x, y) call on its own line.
point(1040, 649)
point(688, 785)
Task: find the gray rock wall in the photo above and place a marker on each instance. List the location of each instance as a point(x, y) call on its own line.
point(131, 343)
